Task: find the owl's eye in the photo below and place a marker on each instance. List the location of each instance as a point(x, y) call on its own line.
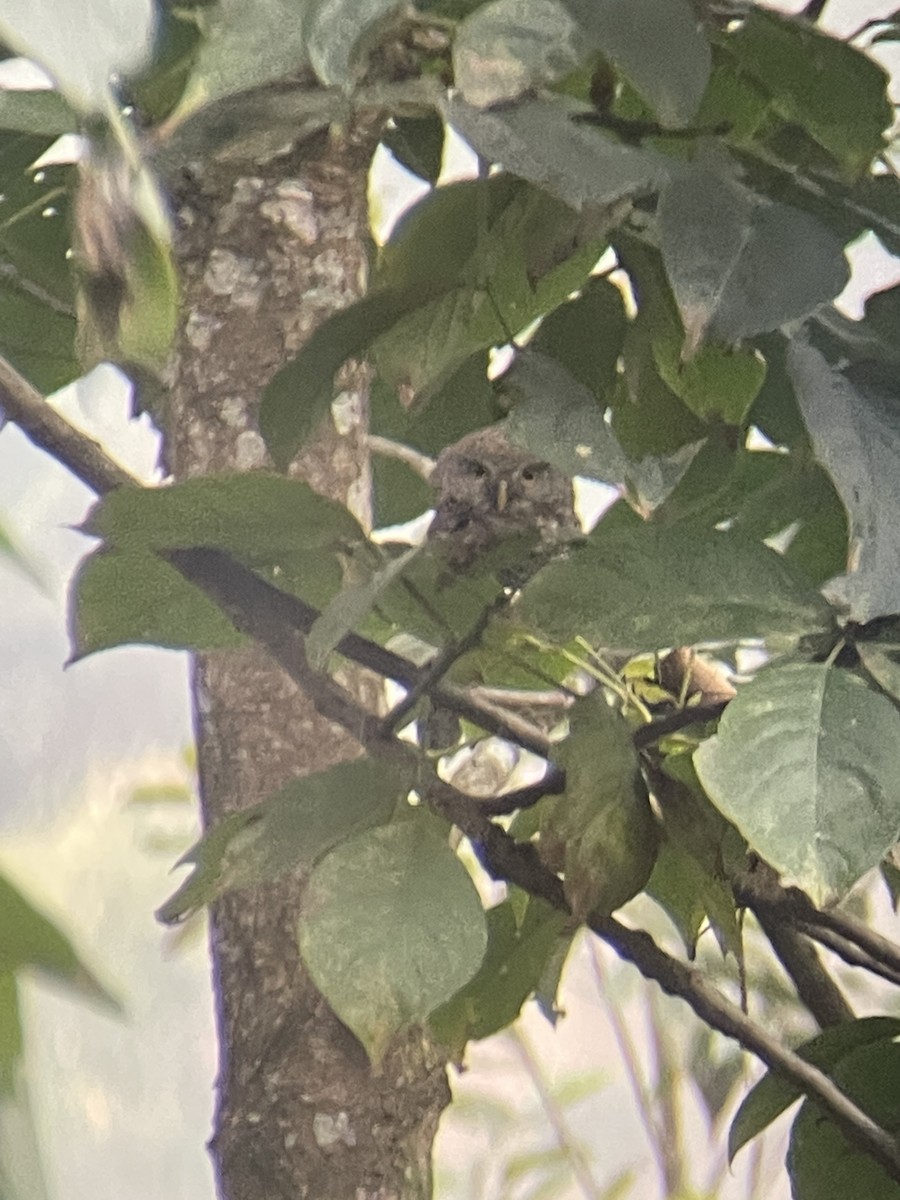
point(534, 471)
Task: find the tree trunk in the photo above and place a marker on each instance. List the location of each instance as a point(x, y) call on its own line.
point(266, 254)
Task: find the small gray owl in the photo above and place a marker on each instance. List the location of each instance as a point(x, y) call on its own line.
point(488, 489)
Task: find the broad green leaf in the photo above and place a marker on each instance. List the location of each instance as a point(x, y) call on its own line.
point(335, 32)
point(821, 1162)
point(298, 396)
point(768, 1098)
point(29, 939)
point(245, 46)
point(641, 585)
point(121, 597)
point(518, 952)
point(601, 833)
point(390, 927)
point(506, 48)
point(586, 335)
point(398, 493)
point(855, 431)
point(658, 45)
point(692, 897)
point(539, 141)
point(556, 417)
point(37, 338)
point(82, 44)
point(806, 763)
point(738, 264)
point(260, 517)
point(828, 87)
point(350, 606)
point(717, 381)
point(883, 668)
point(289, 831)
point(41, 112)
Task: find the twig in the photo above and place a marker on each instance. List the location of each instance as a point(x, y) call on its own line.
point(49, 431)
point(422, 464)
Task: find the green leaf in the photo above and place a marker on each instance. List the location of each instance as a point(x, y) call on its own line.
point(29, 939)
point(821, 1162)
point(335, 32)
point(538, 141)
point(658, 45)
point(122, 597)
point(245, 46)
point(644, 585)
point(855, 432)
point(519, 950)
point(260, 517)
point(556, 417)
point(768, 1098)
point(601, 833)
point(42, 112)
point(717, 381)
point(350, 606)
point(299, 395)
point(417, 143)
point(806, 763)
point(723, 246)
point(586, 335)
point(81, 45)
point(288, 831)
point(390, 927)
point(506, 48)
point(828, 87)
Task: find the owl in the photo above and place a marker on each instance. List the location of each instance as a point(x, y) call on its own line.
point(487, 489)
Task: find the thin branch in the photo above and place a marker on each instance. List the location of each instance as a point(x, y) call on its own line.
point(51, 432)
point(422, 464)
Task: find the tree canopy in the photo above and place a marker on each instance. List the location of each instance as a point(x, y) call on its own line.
point(656, 235)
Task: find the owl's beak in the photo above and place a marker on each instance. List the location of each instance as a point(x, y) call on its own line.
point(502, 494)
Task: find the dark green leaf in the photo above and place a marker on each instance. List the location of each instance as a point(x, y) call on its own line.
point(121, 597)
point(773, 1094)
point(260, 517)
point(658, 45)
point(715, 382)
point(806, 764)
point(289, 831)
point(739, 265)
point(400, 877)
point(586, 335)
point(822, 1163)
point(417, 143)
point(36, 112)
point(826, 86)
point(641, 585)
point(601, 833)
point(519, 949)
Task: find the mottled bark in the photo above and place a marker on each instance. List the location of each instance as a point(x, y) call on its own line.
point(267, 253)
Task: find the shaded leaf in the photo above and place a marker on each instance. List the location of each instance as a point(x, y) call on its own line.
point(586, 335)
point(806, 763)
point(601, 833)
point(288, 831)
point(768, 1098)
point(41, 111)
point(719, 241)
point(417, 143)
point(539, 141)
point(519, 949)
point(658, 45)
point(827, 86)
point(400, 877)
point(641, 585)
point(335, 31)
point(855, 433)
point(822, 1163)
